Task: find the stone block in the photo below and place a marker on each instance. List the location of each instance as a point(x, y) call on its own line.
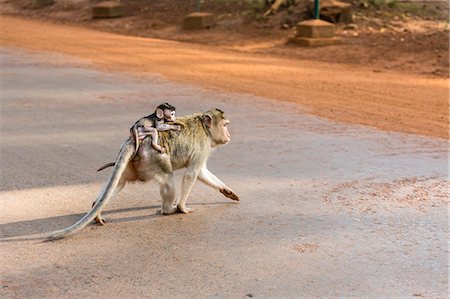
point(314, 42)
point(108, 9)
point(198, 20)
point(41, 3)
point(333, 11)
point(315, 29)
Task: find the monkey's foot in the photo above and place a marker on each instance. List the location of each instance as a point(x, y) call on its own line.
point(99, 220)
point(160, 149)
point(168, 211)
point(230, 194)
point(184, 210)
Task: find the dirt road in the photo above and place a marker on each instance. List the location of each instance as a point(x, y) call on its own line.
point(390, 101)
point(327, 210)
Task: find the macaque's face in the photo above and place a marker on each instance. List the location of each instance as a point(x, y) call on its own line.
point(219, 131)
point(169, 115)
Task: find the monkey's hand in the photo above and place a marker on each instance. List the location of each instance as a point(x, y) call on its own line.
point(230, 194)
point(177, 127)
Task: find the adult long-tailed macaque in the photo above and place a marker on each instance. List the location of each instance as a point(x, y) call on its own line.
point(190, 149)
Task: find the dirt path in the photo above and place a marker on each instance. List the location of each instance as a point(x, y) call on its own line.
point(389, 101)
point(330, 210)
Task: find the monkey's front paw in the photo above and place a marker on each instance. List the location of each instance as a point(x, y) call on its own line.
point(230, 194)
point(177, 128)
point(184, 210)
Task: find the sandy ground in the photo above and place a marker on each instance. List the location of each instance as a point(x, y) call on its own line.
point(410, 37)
point(328, 209)
point(346, 93)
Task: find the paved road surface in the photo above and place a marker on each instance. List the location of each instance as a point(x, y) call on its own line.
point(326, 209)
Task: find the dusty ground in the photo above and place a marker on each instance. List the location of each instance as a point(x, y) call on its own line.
point(348, 93)
point(410, 37)
point(329, 210)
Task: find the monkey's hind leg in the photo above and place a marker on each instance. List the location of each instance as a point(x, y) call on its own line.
point(167, 191)
point(99, 219)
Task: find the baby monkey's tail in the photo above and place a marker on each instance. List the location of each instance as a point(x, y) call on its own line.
point(106, 166)
point(136, 149)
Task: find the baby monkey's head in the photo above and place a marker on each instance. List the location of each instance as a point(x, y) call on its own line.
point(166, 111)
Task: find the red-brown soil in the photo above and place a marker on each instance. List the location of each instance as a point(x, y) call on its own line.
point(359, 81)
point(354, 93)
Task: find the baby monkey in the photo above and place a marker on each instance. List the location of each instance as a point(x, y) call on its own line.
point(151, 124)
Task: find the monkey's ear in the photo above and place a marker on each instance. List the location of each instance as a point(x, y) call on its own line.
point(207, 119)
point(159, 113)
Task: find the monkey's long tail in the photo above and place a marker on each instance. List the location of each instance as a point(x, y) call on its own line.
point(126, 152)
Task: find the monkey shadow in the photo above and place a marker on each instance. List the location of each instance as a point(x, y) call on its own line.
point(35, 230)
point(30, 228)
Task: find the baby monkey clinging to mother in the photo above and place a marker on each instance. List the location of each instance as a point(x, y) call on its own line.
point(151, 124)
